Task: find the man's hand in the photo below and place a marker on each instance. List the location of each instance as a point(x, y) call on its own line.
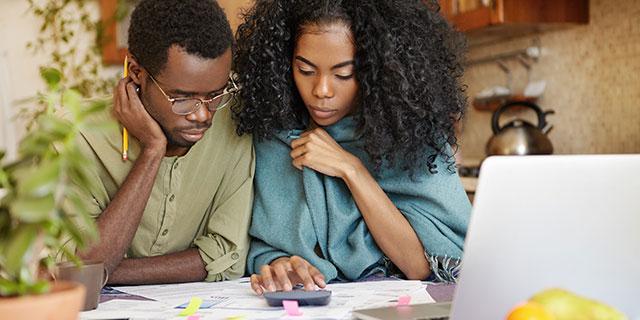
point(317, 150)
point(129, 110)
point(284, 272)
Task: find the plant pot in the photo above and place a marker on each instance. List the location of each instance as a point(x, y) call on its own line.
point(64, 301)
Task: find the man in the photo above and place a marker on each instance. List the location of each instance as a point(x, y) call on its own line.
point(179, 208)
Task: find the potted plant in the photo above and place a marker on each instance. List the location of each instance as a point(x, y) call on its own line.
point(40, 208)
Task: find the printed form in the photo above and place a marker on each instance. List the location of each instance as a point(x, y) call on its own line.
point(234, 299)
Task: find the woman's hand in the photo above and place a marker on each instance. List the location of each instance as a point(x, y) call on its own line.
point(285, 272)
point(317, 150)
point(129, 110)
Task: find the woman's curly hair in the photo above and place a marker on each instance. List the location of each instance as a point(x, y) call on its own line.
point(408, 61)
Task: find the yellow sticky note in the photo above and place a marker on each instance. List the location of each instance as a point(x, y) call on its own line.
point(193, 306)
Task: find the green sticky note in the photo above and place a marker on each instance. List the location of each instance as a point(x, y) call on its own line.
point(193, 306)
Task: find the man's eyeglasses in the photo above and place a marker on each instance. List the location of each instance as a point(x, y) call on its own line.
point(185, 106)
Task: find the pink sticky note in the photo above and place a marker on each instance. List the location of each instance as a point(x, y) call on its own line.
point(291, 306)
point(194, 317)
point(403, 301)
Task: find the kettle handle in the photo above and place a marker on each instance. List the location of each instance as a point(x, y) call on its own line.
point(495, 126)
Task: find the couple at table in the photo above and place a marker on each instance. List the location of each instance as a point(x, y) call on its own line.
point(329, 156)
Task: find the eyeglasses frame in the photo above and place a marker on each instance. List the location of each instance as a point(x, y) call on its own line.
point(233, 90)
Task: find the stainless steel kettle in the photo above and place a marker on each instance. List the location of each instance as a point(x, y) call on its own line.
point(519, 137)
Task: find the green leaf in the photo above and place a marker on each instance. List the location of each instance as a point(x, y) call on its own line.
point(19, 248)
point(69, 255)
point(40, 287)
point(75, 202)
point(73, 230)
point(25, 276)
point(33, 209)
point(42, 180)
point(52, 77)
point(81, 218)
point(5, 223)
point(22, 288)
point(95, 105)
point(36, 143)
point(71, 99)
point(8, 288)
point(56, 127)
point(49, 261)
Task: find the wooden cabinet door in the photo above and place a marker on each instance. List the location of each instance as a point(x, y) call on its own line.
point(517, 11)
point(473, 19)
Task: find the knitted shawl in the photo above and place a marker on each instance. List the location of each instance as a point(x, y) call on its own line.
point(294, 211)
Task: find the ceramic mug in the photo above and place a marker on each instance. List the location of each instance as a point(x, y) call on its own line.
point(92, 274)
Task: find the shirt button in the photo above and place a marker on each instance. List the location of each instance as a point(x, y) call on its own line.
point(173, 196)
point(175, 166)
point(164, 233)
point(235, 256)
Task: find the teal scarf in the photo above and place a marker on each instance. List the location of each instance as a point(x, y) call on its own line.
point(293, 210)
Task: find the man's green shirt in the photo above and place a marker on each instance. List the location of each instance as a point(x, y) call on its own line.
point(202, 199)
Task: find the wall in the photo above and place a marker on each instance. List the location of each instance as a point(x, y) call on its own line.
point(233, 8)
point(592, 75)
point(593, 84)
point(17, 28)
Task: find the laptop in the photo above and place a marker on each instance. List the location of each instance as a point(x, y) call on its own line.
point(540, 222)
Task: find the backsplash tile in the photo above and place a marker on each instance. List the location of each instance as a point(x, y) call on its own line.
point(593, 83)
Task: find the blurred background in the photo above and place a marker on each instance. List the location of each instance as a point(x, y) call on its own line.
point(579, 58)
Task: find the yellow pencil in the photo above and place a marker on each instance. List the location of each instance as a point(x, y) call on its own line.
point(125, 135)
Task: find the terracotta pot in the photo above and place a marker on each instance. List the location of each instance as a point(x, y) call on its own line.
point(63, 302)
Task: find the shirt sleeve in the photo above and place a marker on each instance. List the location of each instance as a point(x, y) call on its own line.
point(91, 202)
point(261, 254)
point(225, 245)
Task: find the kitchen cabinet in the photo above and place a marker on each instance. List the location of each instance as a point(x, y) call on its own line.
point(115, 47)
point(486, 21)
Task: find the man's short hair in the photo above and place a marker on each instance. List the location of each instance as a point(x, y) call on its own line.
point(198, 26)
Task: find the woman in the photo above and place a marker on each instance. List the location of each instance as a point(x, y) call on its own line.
point(352, 106)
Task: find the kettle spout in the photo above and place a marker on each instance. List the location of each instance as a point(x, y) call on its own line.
point(547, 128)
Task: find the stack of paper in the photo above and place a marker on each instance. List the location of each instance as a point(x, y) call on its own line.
point(235, 300)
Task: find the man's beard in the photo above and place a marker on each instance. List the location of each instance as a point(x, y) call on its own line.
point(173, 140)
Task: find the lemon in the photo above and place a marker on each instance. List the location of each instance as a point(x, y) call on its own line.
point(529, 311)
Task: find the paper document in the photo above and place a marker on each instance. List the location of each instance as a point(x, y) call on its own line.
point(235, 299)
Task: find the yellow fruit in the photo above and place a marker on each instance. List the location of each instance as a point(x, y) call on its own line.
point(529, 311)
point(565, 305)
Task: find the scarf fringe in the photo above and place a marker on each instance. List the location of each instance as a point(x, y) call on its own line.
point(445, 269)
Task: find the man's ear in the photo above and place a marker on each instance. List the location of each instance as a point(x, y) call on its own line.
point(134, 70)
